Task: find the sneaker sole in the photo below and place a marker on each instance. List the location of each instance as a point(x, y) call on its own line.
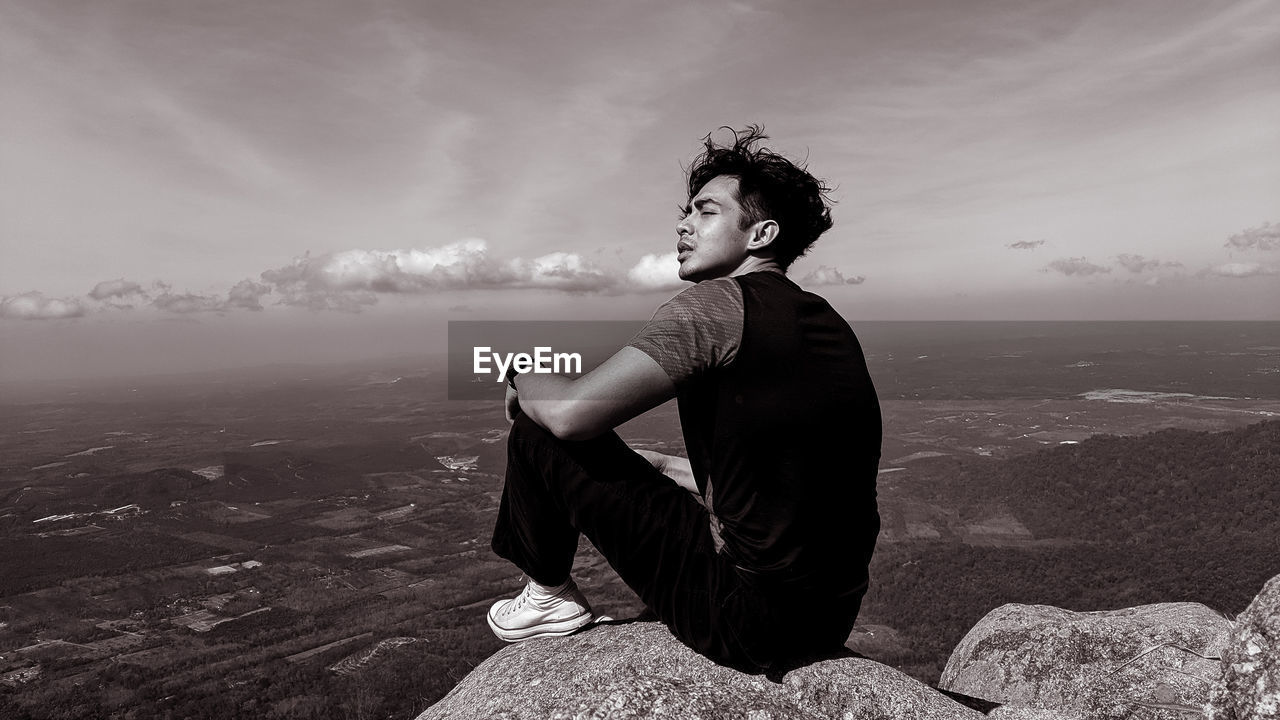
point(554, 629)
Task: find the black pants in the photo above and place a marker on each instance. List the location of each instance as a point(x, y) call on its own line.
point(657, 537)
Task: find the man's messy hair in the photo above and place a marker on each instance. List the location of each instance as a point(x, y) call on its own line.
point(770, 187)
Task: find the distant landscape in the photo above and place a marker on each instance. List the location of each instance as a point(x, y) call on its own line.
point(312, 541)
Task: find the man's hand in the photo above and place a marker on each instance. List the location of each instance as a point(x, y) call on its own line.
point(673, 466)
point(512, 404)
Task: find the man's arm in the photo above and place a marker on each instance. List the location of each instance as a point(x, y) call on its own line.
point(625, 385)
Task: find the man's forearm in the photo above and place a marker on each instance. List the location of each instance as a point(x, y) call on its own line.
point(625, 385)
point(541, 396)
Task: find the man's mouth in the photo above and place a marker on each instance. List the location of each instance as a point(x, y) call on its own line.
point(682, 249)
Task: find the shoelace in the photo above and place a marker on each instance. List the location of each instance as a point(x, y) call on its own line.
point(517, 602)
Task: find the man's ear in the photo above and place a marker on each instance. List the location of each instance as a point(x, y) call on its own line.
point(762, 235)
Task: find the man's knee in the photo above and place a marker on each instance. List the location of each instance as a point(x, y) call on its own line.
point(605, 457)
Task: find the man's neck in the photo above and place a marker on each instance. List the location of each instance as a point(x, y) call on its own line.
point(757, 264)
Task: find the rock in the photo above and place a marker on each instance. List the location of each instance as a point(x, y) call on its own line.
point(1147, 662)
point(1249, 688)
point(1017, 712)
point(638, 670)
point(879, 642)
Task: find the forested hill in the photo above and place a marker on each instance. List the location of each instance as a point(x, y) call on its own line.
point(1173, 515)
point(1150, 488)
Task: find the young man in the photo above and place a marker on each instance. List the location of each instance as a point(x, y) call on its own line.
point(780, 421)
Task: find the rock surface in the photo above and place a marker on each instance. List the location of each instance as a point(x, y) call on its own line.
point(877, 641)
point(1152, 661)
point(1014, 712)
point(638, 670)
point(1249, 688)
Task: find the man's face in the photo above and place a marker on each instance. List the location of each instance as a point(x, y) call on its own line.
point(712, 243)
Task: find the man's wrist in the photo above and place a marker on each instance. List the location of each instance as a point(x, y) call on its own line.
point(511, 376)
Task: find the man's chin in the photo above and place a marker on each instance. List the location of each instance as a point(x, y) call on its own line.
point(691, 271)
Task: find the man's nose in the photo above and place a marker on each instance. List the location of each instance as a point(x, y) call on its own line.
point(683, 227)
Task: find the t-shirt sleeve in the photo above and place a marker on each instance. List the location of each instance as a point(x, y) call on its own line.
point(695, 331)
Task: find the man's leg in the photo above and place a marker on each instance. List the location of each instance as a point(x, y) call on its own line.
point(654, 533)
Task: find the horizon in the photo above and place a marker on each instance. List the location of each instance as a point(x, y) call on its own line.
point(41, 374)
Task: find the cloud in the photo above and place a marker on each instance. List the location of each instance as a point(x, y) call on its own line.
point(337, 301)
point(656, 272)
point(454, 266)
point(1076, 266)
point(1136, 263)
point(1264, 237)
point(247, 295)
point(348, 280)
point(1239, 270)
point(186, 303)
point(35, 306)
point(244, 295)
point(109, 289)
point(457, 265)
point(1025, 245)
point(826, 275)
point(558, 271)
point(351, 279)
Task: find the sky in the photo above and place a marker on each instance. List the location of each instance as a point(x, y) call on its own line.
point(195, 184)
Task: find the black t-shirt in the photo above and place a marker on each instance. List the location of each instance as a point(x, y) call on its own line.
point(781, 422)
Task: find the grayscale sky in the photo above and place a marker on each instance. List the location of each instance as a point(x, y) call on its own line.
point(187, 184)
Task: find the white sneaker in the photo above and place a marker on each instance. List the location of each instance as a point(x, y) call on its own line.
point(540, 612)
